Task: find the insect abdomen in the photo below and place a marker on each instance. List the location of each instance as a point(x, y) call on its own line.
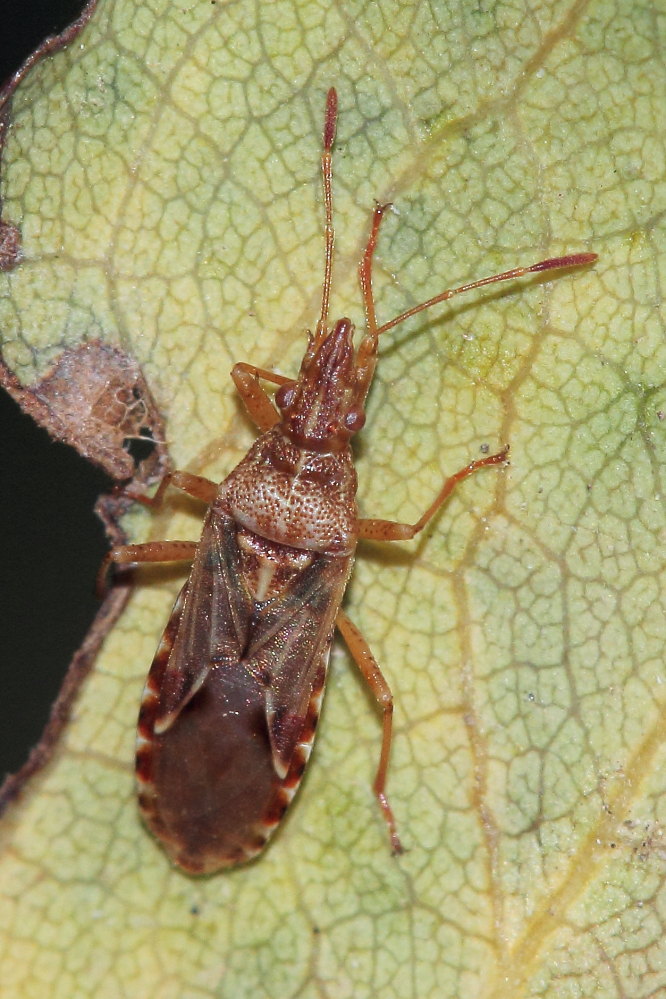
point(208, 788)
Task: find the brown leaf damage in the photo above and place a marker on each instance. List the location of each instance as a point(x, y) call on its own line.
point(96, 398)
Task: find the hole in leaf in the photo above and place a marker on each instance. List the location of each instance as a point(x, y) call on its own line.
point(26, 23)
point(140, 448)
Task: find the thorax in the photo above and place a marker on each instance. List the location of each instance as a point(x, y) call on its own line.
point(293, 496)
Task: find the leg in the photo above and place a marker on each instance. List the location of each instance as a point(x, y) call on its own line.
point(372, 675)
point(258, 404)
point(151, 551)
point(391, 530)
point(158, 551)
point(194, 485)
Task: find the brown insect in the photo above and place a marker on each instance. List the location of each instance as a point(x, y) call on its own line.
point(231, 703)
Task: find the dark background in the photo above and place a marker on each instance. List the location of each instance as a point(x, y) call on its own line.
point(51, 543)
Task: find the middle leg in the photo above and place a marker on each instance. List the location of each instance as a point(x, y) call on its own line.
point(374, 529)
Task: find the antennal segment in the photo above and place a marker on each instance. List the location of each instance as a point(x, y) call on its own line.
point(553, 263)
point(365, 270)
point(330, 123)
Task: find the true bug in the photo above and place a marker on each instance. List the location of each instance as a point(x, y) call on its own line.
point(232, 699)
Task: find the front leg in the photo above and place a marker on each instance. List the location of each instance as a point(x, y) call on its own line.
point(256, 401)
point(196, 486)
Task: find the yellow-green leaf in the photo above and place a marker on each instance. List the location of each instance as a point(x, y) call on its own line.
point(163, 173)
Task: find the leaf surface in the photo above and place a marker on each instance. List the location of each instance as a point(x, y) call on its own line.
point(163, 173)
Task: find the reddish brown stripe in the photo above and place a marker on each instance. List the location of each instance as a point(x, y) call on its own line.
point(297, 768)
point(147, 713)
point(277, 809)
point(311, 718)
point(144, 763)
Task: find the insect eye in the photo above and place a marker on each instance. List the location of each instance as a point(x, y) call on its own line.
point(354, 420)
point(285, 395)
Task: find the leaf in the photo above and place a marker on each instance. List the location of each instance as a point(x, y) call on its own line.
point(163, 173)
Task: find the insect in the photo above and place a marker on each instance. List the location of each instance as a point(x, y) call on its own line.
point(231, 703)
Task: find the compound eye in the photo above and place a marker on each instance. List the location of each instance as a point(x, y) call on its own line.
point(285, 395)
point(354, 420)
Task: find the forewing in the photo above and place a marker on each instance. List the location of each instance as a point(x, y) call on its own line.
point(210, 621)
point(290, 642)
